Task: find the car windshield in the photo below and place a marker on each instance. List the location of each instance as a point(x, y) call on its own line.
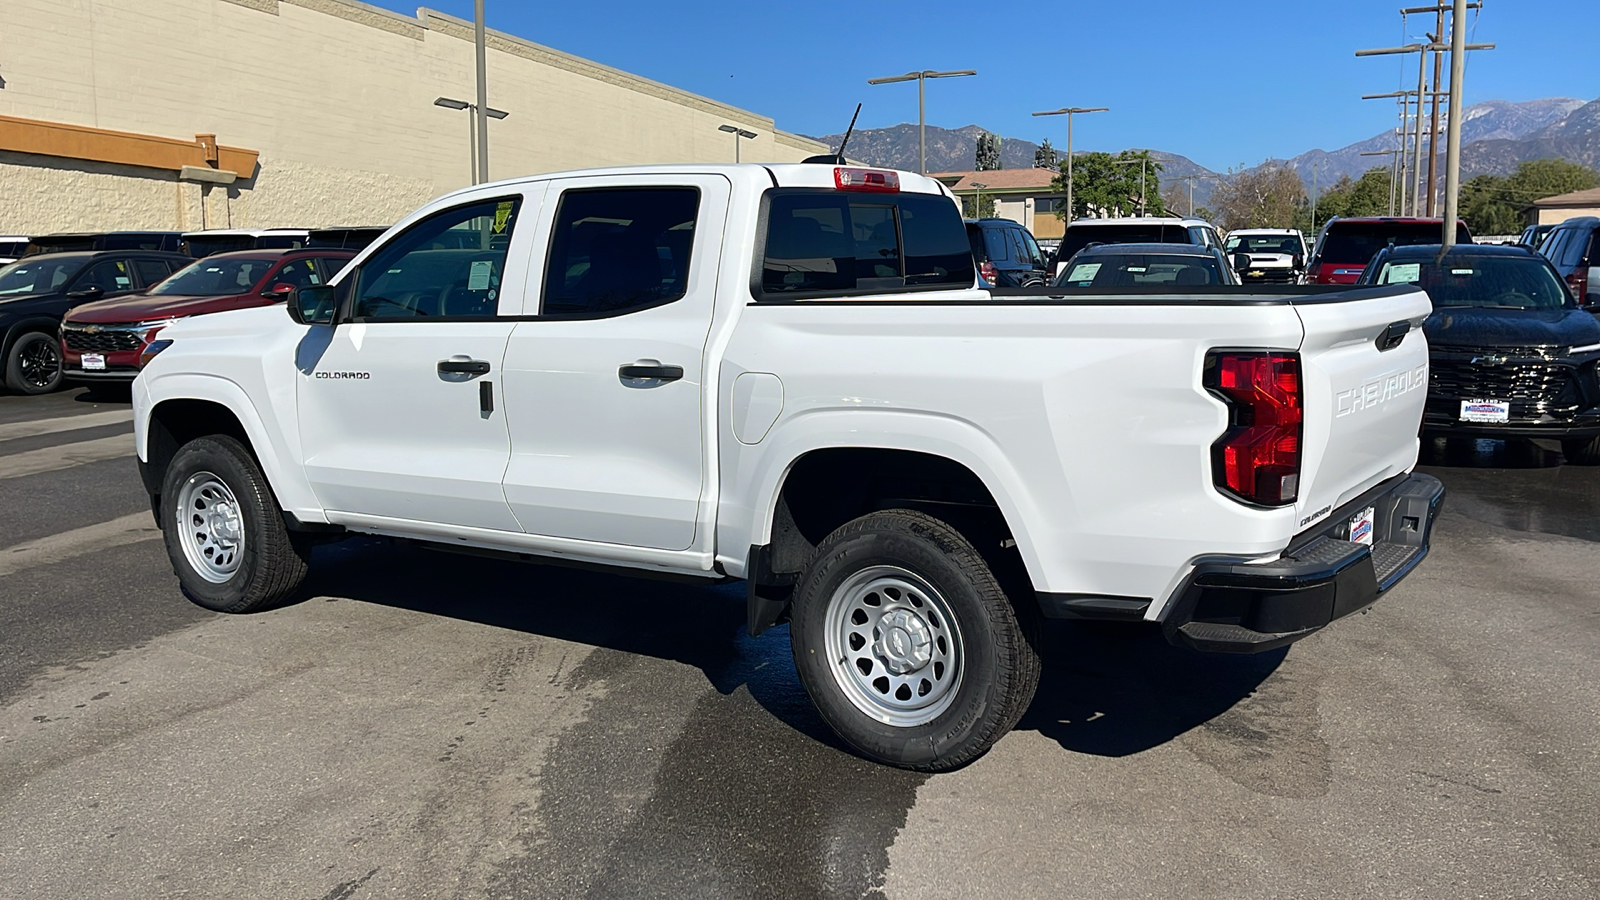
point(38, 276)
point(213, 277)
point(1263, 243)
point(1355, 243)
point(1481, 281)
point(1115, 270)
point(1081, 236)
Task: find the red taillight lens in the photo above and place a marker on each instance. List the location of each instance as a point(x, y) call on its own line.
point(1258, 459)
point(989, 272)
point(879, 180)
point(1578, 282)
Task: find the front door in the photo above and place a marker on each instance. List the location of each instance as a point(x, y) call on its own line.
point(609, 431)
point(400, 411)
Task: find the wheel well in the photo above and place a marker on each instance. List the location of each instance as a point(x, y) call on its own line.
point(174, 423)
point(827, 488)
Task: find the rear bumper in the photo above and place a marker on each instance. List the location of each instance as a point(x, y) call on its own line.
point(1229, 607)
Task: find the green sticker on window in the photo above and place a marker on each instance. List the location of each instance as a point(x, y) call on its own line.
point(502, 215)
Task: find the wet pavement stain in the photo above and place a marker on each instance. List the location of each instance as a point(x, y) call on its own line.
point(1271, 741)
point(1517, 485)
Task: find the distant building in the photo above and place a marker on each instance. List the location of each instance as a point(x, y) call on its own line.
point(1024, 196)
point(188, 114)
point(1561, 207)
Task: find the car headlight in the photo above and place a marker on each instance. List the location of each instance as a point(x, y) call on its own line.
point(151, 350)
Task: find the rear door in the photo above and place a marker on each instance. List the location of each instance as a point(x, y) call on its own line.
point(1364, 365)
point(605, 385)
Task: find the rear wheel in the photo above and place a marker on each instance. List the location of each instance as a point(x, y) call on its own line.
point(907, 644)
point(1582, 451)
point(34, 364)
point(224, 530)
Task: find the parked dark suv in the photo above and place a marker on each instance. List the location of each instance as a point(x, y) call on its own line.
point(1510, 354)
point(1006, 254)
point(1573, 247)
point(36, 291)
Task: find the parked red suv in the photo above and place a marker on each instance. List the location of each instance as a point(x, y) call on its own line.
point(1345, 246)
point(102, 341)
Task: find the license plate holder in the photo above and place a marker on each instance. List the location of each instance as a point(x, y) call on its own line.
point(1362, 525)
point(1486, 411)
point(94, 362)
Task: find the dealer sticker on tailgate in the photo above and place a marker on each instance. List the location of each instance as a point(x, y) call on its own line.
point(1485, 410)
point(1361, 526)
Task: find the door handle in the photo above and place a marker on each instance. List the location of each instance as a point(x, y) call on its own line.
point(650, 369)
point(463, 366)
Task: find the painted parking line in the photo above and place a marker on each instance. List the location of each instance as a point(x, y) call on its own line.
point(66, 456)
point(129, 529)
point(64, 423)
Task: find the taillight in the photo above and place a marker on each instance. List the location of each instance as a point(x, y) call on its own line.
point(1258, 459)
point(989, 272)
point(881, 181)
point(1578, 281)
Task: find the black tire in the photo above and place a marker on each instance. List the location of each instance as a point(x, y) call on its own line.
point(998, 665)
point(1582, 451)
point(34, 364)
point(271, 561)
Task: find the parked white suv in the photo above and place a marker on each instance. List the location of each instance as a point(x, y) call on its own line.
point(786, 374)
point(1270, 254)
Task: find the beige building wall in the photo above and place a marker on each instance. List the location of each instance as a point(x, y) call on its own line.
point(1549, 216)
point(336, 96)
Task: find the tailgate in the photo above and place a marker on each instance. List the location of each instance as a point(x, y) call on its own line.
point(1364, 392)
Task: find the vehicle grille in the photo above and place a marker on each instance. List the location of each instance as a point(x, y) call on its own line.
point(99, 341)
point(1536, 388)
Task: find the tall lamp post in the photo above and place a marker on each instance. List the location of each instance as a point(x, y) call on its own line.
point(739, 134)
point(474, 145)
point(977, 200)
point(482, 107)
point(1069, 112)
point(921, 79)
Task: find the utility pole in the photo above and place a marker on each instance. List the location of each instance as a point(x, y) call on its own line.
point(482, 112)
point(1452, 166)
point(921, 79)
point(1069, 112)
point(1438, 73)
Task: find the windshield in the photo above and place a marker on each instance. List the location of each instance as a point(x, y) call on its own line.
point(1081, 236)
point(1482, 281)
point(1357, 242)
point(38, 276)
point(1110, 270)
point(1286, 244)
point(213, 277)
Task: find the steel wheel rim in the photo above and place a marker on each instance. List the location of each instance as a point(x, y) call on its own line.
point(893, 646)
point(40, 361)
point(210, 527)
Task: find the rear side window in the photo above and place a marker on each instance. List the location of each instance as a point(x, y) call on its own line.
point(1356, 243)
point(151, 271)
point(828, 242)
point(995, 243)
point(615, 251)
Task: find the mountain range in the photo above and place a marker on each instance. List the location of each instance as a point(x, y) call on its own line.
point(1497, 135)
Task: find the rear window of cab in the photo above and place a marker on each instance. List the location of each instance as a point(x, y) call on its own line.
point(829, 243)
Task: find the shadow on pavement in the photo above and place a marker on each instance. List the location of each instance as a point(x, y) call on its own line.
point(1116, 689)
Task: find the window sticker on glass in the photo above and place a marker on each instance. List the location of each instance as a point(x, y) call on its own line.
point(1403, 273)
point(502, 215)
point(478, 275)
point(1084, 272)
point(1138, 270)
point(1460, 271)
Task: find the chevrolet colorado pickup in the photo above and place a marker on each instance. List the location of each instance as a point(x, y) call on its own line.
point(787, 374)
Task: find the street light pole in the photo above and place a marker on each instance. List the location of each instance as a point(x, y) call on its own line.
point(1069, 112)
point(483, 92)
point(922, 125)
point(739, 134)
point(472, 129)
point(977, 200)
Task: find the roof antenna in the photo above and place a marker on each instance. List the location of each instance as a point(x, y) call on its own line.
point(837, 159)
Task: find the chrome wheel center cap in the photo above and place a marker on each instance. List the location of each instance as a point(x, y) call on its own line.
point(906, 642)
point(223, 520)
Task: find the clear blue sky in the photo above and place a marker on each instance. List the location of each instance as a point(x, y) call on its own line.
point(1225, 84)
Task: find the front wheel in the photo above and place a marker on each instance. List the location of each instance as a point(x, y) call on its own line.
point(1582, 451)
point(34, 364)
point(907, 644)
point(224, 530)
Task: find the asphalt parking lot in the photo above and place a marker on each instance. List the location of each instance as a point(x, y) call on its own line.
point(427, 725)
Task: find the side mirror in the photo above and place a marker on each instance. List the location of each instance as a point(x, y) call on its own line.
point(313, 305)
point(278, 291)
point(1241, 261)
point(88, 293)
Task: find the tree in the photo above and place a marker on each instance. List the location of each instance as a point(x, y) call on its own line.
point(1493, 205)
point(1045, 157)
point(1365, 196)
point(971, 210)
point(1106, 185)
point(1270, 196)
point(988, 152)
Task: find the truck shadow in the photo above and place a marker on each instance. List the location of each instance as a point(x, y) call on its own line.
point(1487, 453)
point(1104, 691)
point(1116, 689)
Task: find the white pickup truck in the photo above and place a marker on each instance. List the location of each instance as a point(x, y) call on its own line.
point(786, 374)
